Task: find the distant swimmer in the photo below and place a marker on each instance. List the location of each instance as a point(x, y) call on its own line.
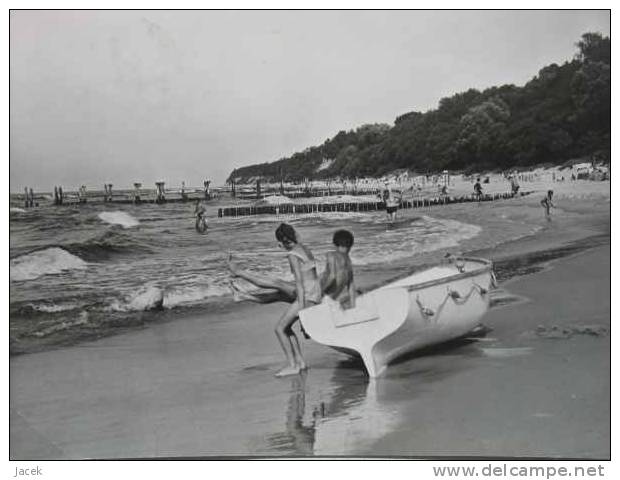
point(201, 217)
point(336, 283)
point(547, 204)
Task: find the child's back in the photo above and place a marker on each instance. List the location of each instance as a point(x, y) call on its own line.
point(341, 275)
point(337, 279)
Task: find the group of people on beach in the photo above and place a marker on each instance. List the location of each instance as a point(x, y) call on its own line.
point(308, 288)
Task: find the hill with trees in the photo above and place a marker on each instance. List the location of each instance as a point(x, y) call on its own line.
point(564, 112)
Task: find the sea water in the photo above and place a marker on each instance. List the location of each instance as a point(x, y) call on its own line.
point(78, 272)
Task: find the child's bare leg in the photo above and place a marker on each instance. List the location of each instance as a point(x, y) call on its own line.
point(283, 333)
point(287, 288)
point(260, 296)
point(299, 359)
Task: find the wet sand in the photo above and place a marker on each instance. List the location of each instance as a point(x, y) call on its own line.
point(528, 389)
point(201, 386)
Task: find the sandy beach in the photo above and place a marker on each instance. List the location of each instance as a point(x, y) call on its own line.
point(536, 386)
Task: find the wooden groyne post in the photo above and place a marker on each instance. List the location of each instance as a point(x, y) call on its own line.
point(136, 193)
point(310, 208)
point(161, 195)
point(82, 194)
point(184, 197)
point(107, 192)
point(28, 198)
point(58, 195)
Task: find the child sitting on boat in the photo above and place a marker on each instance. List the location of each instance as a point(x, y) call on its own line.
point(337, 279)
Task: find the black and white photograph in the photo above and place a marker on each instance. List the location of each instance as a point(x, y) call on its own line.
point(309, 234)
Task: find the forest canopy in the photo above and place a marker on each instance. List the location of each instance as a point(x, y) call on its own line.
point(564, 112)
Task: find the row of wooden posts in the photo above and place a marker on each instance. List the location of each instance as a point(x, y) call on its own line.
point(60, 196)
point(310, 208)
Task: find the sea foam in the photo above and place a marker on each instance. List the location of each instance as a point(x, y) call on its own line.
point(149, 297)
point(52, 260)
point(119, 218)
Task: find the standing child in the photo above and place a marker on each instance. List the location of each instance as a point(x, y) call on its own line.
point(547, 204)
point(478, 190)
point(336, 282)
point(304, 292)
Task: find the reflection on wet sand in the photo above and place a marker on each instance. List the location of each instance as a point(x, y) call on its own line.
point(299, 438)
point(334, 425)
point(347, 412)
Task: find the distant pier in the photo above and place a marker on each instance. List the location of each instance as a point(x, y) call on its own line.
point(137, 195)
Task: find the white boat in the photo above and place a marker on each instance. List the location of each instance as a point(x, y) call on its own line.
point(429, 307)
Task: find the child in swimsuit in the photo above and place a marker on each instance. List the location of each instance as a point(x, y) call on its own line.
point(308, 289)
point(336, 282)
point(547, 204)
point(478, 190)
point(305, 292)
point(391, 204)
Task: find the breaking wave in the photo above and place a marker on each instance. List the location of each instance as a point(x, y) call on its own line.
point(103, 246)
point(49, 261)
point(119, 218)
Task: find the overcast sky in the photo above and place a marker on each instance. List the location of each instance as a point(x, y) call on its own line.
point(126, 96)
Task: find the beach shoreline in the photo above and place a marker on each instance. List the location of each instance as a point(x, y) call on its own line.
point(181, 389)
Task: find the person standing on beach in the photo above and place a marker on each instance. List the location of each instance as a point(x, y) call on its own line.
point(308, 290)
point(336, 282)
point(547, 204)
point(305, 292)
point(514, 185)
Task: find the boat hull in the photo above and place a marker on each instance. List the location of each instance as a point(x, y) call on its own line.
point(423, 309)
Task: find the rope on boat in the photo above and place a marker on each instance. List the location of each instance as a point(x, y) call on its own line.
point(456, 297)
point(426, 312)
point(482, 290)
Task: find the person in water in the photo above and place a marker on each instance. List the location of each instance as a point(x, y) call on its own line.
point(336, 282)
point(391, 203)
point(547, 204)
point(201, 216)
point(478, 190)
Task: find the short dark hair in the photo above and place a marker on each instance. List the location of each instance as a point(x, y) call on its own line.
point(343, 238)
point(286, 233)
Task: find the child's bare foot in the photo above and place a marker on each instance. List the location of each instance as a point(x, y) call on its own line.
point(302, 365)
point(288, 370)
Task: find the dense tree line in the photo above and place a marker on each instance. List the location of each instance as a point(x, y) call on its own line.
point(564, 112)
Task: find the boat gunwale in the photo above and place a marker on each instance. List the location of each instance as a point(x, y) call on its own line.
point(487, 266)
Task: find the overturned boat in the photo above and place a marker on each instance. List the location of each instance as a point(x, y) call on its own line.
point(429, 307)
